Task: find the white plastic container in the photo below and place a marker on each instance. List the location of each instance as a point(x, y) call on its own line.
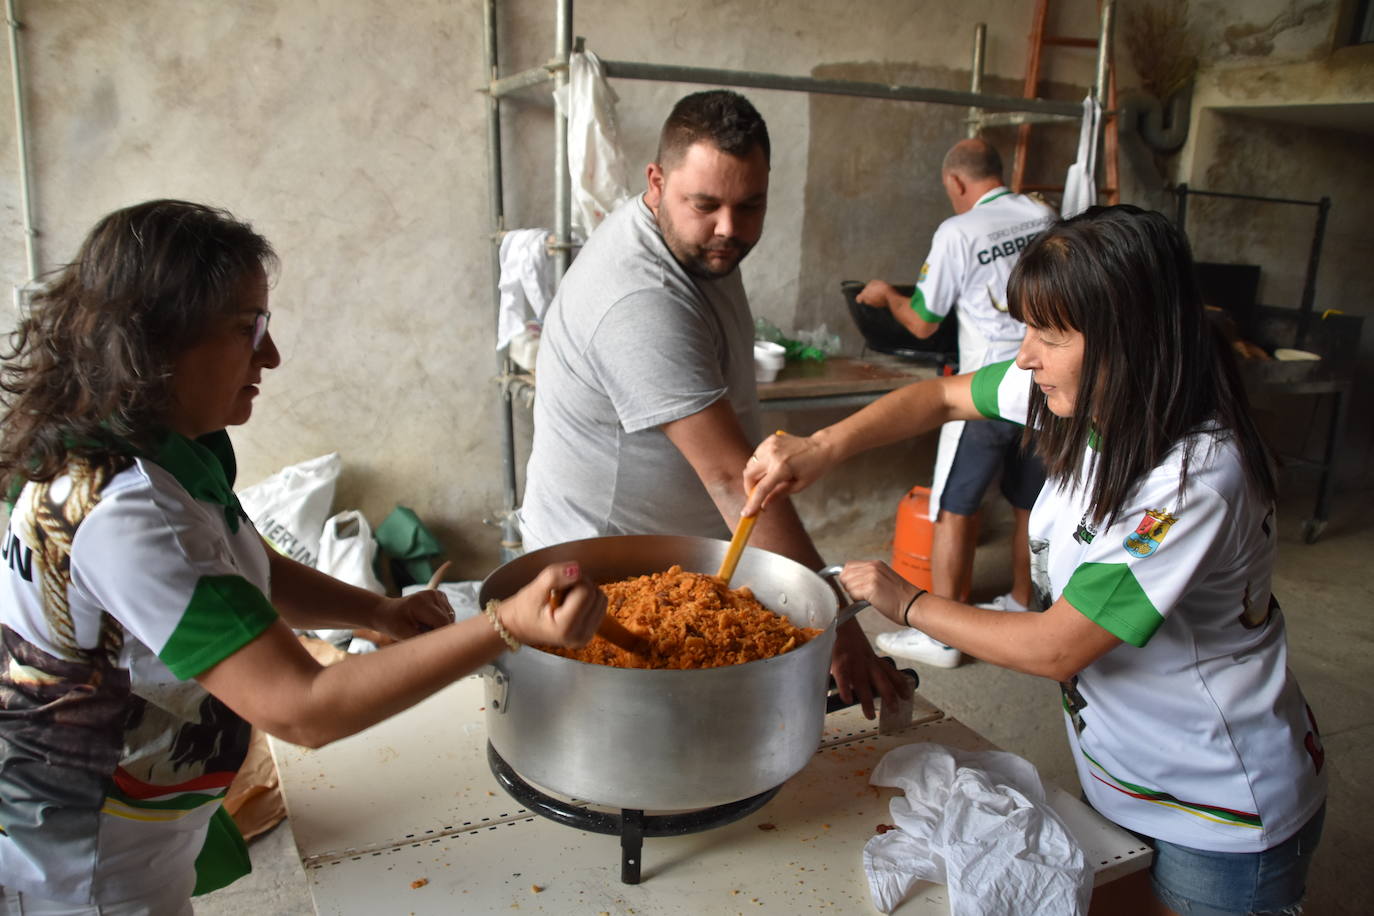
point(768, 360)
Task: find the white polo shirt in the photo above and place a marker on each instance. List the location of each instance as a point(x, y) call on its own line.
point(1194, 730)
point(970, 261)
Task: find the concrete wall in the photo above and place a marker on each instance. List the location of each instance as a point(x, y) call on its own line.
point(1283, 108)
point(352, 135)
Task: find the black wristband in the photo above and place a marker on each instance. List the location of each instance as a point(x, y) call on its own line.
point(919, 592)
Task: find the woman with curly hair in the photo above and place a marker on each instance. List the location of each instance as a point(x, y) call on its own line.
point(1152, 550)
point(144, 625)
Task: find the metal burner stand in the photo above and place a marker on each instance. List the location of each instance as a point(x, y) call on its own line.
point(631, 825)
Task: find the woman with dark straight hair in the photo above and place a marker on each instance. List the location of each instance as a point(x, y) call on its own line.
point(144, 624)
point(1152, 550)
point(1156, 368)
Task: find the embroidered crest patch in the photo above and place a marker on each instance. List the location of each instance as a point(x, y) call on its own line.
point(925, 269)
point(1085, 532)
point(1144, 540)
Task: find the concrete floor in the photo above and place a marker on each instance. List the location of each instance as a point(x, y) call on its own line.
point(1327, 597)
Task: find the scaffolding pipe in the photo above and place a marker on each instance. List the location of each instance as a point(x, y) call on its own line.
point(1104, 54)
point(510, 530)
point(980, 42)
point(751, 80)
point(1048, 109)
point(562, 193)
point(522, 80)
point(21, 134)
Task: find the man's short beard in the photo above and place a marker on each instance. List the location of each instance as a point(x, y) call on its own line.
point(693, 257)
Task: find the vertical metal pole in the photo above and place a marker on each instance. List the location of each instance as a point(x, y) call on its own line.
point(1309, 288)
point(1104, 53)
point(1181, 207)
point(980, 41)
point(510, 529)
point(562, 196)
point(21, 138)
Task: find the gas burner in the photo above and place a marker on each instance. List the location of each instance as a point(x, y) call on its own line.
point(631, 825)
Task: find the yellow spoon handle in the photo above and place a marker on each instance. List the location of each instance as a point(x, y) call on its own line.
point(742, 532)
point(741, 537)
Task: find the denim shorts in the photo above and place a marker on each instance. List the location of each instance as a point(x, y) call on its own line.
point(1196, 882)
point(986, 447)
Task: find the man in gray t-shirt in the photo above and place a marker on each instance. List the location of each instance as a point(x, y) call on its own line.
point(646, 410)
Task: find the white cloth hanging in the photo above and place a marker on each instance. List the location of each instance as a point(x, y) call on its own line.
point(600, 179)
point(1080, 184)
point(527, 285)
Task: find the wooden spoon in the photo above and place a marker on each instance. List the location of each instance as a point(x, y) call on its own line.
point(611, 630)
point(732, 555)
point(740, 538)
point(438, 576)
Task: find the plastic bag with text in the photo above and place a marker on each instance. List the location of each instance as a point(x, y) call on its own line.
point(289, 508)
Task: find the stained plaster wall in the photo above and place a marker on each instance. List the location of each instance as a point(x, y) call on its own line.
point(1266, 67)
point(350, 133)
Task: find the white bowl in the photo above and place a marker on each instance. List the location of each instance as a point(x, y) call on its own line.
point(1288, 355)
point(769, 358)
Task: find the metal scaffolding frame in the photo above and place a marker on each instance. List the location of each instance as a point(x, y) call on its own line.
point(1011, 109)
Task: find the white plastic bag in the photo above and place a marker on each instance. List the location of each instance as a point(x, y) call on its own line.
point(290, 507)
point(977, 822)
point(347, 551)
point(462, 597)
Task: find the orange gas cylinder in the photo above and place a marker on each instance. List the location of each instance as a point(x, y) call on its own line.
point(912, 540)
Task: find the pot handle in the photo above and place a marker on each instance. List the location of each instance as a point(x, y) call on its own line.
point(832, 574)
point(497, 684)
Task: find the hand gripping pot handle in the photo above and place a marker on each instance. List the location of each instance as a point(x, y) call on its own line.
point(832, 575)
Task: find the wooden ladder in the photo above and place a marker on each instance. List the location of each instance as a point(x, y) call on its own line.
point(1039, 41)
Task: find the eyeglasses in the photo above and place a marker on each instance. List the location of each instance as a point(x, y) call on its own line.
point(260, 328)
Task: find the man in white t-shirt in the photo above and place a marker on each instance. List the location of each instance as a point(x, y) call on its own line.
point(647, 409)
point(970, 260)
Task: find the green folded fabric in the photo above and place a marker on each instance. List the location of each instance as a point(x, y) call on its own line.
point(406, 539)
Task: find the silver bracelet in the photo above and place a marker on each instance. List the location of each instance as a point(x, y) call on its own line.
point(501, 631)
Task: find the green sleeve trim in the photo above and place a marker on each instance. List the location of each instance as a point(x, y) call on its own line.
point(224, 858)
point(224, 615)
point(1109, 595)
point(987, 382)
point(918, 305)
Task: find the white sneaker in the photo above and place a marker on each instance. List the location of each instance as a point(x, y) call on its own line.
point(915, 645)
point(1003, 603)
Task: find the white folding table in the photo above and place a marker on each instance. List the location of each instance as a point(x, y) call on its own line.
point(406, 817)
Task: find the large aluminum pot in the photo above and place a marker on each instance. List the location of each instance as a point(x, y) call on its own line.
point(653, 739)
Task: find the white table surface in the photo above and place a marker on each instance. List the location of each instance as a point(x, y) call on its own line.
point(407, 818)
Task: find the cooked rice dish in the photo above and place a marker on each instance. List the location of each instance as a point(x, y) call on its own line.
point(689, 620)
